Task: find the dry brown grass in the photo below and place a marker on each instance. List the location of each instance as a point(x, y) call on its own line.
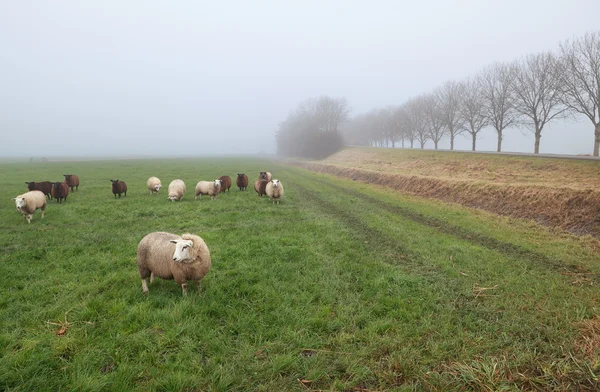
point(551, 192)
point(498, 169)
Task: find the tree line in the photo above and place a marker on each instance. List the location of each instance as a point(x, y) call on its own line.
point(528, 93)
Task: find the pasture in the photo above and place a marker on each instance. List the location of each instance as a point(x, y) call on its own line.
point(343, 286)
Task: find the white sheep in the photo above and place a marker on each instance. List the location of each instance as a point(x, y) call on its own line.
point(176, 190)
point(170, 256)
point(274, 190)
point(28, 202)
point(210, 188)
point(153, 185)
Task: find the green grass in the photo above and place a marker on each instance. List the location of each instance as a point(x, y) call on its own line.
point(342, 284)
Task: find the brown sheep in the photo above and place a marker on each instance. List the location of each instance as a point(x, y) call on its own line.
point(225, 183)
point(72, 181)
point(118, 187)
point(60, 191)
point(170, 256)
point(265, 176)
point(45, 187)
point(241, 181)
point(260, 186)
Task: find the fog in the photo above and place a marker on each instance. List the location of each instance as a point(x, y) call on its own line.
point(181, 78)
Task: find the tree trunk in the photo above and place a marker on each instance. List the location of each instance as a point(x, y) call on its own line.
point(412, 142)
point(422, 145)
point(499, 141)
point(393, 144)
point(538, 135)
point(474, 140)
point(597, 140)
point(451, 142)
point(436, 144)
point(402, 143)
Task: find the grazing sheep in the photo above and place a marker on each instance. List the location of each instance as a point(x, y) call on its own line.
point(45, 187)
point(170, 256)
point(153, 185)
point(225, 183)
point(176, 190)
point(28, 202)
point(241, 181)
point(118, 187)
point(265, 176)
point(274, 190)
point(60, 191)
point(210, 188)
point(72, 181)
point(259, 187)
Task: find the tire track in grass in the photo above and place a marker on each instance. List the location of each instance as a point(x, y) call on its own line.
point(505, 248)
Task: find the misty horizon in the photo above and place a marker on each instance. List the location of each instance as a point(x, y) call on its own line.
point(162, 79)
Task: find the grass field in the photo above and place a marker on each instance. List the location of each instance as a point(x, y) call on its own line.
point(344, 286)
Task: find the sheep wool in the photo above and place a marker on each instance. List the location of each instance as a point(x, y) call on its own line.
point(176, 190)
point(274, 190)
point(210, 188)
point(153, 185)
point(28, 202)
point(169, 256)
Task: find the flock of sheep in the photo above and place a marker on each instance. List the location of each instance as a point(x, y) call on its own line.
point(159, 254)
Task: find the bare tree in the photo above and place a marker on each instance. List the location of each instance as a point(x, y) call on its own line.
point(433, 119)
point(416, 120)
point(472, 109)
point(329, 112)
point(448, 102)
point(498, 97)
point(580, 79)
point(401, 122)
point(538, 92)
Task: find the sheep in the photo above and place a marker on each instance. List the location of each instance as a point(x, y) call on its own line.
point(259, 187)
point(210, 188)
point(176, 190)
point(28, 202)
point(170, 256)
point(118, 187)
point(274, 190)
point(60, 191)
point(72, 181)
point(44, 186)
point(241, 181)
point(265, 176)
point(225, 183)
point(153, 185)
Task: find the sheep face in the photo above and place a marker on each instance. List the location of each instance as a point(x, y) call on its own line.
point(157, 187)
point(240, 175)
point(263, 175)
point(217, 183)
point(20, 202)
point(275, 183)
point(182, 250)
point(67, 176)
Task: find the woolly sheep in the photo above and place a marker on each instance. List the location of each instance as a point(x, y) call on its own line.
point(44, 186)
point(60, 191)
point(225, 183)
point(210, 188)
point(28, 202)
point(274, 190)
point(265, 176)
point(176, 190)
point(153, 185)
point(119, 187)
point(241, 181)
point(170, 256)
point(72, 181)
point(259, 187)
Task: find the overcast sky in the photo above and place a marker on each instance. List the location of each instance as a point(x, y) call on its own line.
point(195, 77)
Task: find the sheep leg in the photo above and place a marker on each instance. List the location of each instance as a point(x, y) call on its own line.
point(29, 218)
point(144, 286)
point(151, 277)
point(184, 288)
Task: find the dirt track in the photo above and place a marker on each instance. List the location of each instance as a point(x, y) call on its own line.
point(574, 210)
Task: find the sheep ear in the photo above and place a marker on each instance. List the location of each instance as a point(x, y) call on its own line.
point(173, 241)
point(14, 199)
